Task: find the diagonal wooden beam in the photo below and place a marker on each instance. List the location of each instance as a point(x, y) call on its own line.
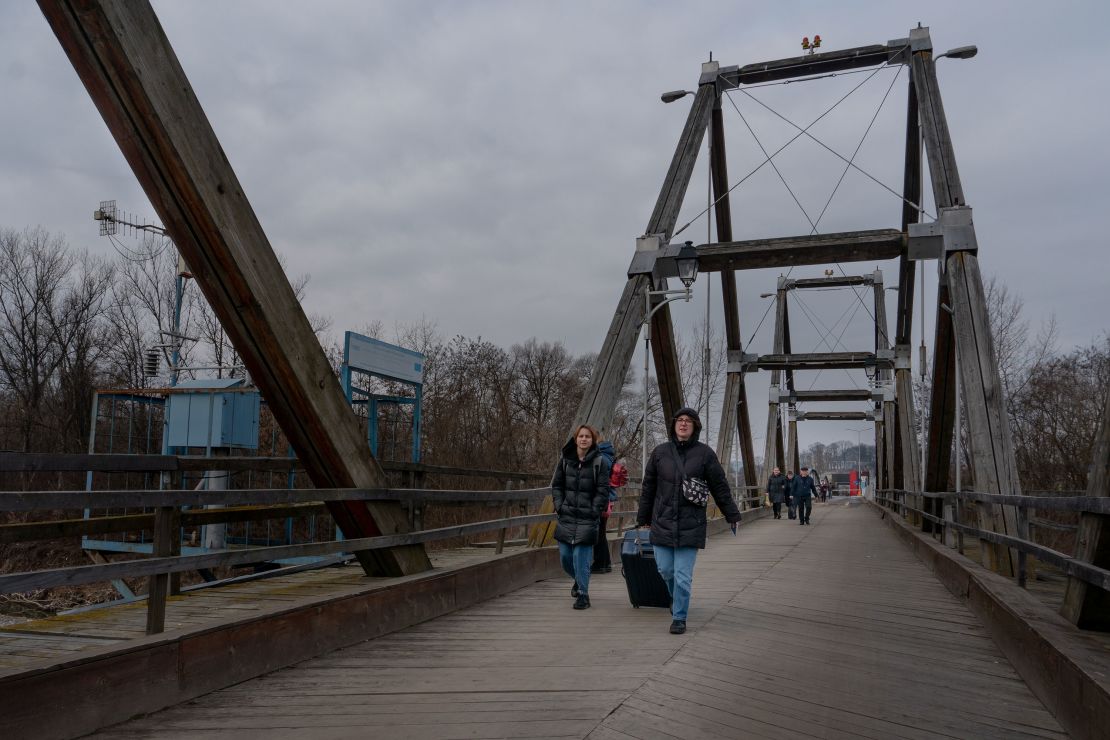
point(994, 465)
point(611, 366)
point(129, 68)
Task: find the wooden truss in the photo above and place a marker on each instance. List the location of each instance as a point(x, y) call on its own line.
point(129, 68)
point(961, 308)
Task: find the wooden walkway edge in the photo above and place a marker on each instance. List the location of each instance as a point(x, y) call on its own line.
point(1066, 669)
point(116, 678)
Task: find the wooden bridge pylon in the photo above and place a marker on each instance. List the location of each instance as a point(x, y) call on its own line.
point(962, 320)
point(132, 74)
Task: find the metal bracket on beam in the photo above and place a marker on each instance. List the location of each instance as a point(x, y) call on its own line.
point(654, 257)
point(904, 48)
point(727, 78)
point(709, 73)
point(920, 40)
point(883, 393)
point(953, 231)
point(902, 357)
point(744, 364)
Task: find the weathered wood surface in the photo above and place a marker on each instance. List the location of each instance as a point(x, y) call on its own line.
point(610, 370)
point(834, 416)
point(833, 630)
point(129, 68)
point(818, 249)
point(27, 462)
point(38, 643)
point(819, 361)
point(1083, 605)
point(31, 531)
point(81, 574)
point(734, 414)
point(851, 394)
point(839, 281)
point(49, 500)
point(810, 64)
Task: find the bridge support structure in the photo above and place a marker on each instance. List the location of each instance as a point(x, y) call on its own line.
point(123, 57)
point(961, 307)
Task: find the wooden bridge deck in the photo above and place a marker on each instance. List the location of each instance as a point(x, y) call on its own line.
point(830, 631)
point(39, 643)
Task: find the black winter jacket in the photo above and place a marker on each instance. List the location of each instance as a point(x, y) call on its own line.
point(675, 522)
point(776, 488)
point(580, 492)
point(803, 487)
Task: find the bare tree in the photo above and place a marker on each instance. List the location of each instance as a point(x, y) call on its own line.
point(33, 267)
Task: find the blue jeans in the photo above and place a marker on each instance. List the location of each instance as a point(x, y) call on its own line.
point(576, 560)
point(676, 565)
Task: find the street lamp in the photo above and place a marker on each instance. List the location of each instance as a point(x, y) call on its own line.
point(960, 52)
point(686, 263)
point(673, 95)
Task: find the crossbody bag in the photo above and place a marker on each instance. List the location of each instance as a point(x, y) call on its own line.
point(694, 490)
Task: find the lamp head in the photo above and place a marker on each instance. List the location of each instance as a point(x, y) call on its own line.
point(687, 264)
point(673, 95)
point(961, 52)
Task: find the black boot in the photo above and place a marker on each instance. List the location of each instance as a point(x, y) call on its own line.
point(678, 627)
point(583, 602)
point(574, 589)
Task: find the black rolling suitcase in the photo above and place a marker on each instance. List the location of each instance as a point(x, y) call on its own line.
point(645, 585)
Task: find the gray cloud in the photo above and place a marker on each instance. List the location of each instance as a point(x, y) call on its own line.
point(488, 164)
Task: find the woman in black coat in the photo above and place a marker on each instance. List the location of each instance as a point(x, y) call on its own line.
point(677, 525)
point(580, 492)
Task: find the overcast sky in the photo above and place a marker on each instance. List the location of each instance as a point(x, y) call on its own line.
point(487, 165)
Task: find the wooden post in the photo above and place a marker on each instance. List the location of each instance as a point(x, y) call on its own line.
point(882, 377)
point(911, 463)
point(1023, 533)
point(166, 528)
point(611, 366)
point(129, 68)
point(506, 512)
point(994, 466)
point(938, 457)
point(773, 447)
point(1085, 605)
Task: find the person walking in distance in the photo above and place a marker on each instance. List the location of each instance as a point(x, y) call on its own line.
point(776, 491)
point(603, 560)
point(791, 505)
point(673, 504)
point(803, 492)
point(580, 492)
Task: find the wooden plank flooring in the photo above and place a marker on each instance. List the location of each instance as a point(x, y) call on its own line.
point(40, 643)
point(829, 631)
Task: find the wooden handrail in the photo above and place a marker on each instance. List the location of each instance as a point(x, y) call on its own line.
point(83, 574)
point(1084, 571)
point(50, 500)
point(36, 462)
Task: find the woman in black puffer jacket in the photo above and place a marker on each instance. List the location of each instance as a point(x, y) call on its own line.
point(677, 525)
point(580, 492)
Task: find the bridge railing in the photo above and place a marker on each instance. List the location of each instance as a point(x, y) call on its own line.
point(166, 511)
point(951, 527)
